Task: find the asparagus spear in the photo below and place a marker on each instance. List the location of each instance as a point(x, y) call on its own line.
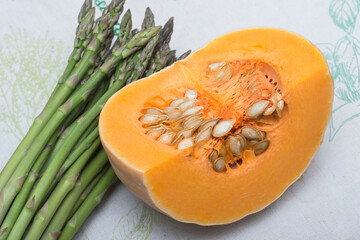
point(162, 48)
point(89, 140)
point(159, 61)
point(184, 55)
point(171, 57)
point(20, 199)
point(166, 32)
point(88, 205)
point(149, 20)
point(99, 35)
point(84, 195)
point(66, 184)
point(82, 38)
point(89, 174)
point(40, 190)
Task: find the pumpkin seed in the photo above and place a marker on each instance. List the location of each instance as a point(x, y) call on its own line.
point(192, 110)
point(185, 133)
point(214, 67)
point(210, 122)
point(257, 109)
point(156, 132)
point(175, 114)
point(177, 139)
point(213, 155)
point(193, 122)
point(152, 119)
point(242, 140)
point(177, 102)
point(191, 94)
point(271, 109)
point(235, 145)
point(186, 143)
point(187, 104)
point(223, 127)
point(219, 164)
point(252, 133)
point(166, 137)
point(261, 147)
point(223, 75)
point(280, 107)
point(153, 111)
point(168, 110)
point(203, 135)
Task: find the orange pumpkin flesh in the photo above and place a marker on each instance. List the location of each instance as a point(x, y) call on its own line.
point(186, 187)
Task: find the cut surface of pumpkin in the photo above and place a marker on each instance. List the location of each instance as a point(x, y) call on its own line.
point(223, 133)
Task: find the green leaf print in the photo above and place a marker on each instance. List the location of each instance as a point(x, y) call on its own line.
point(344, 13)
point(29, 67)
point(347, 61)
point(137, 224)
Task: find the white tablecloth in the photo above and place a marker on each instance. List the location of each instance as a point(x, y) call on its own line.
point(36, 38)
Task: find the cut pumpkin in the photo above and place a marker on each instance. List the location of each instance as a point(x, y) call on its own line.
point(223, 133)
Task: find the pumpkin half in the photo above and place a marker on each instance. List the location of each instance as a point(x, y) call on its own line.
point(223, 133)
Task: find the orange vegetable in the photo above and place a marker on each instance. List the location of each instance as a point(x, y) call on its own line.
point(269, 93)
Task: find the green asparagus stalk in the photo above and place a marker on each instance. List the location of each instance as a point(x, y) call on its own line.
point(89, 174)
point(40, 190)
point(88, 205)
point(84, 194)
point(82, 145)
point(20, 199)
point(142, 59)
point(66, 184)
point(99, 35)
point(149, 20)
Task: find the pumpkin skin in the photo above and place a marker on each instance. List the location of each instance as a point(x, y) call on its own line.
point(186, 188)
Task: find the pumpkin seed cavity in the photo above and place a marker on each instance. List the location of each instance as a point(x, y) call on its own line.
point(185, 122)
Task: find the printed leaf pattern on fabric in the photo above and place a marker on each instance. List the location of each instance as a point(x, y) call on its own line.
point(344, 63)
point(137, 224)
point(347, 60)
point(344, 13)
point(29, 67)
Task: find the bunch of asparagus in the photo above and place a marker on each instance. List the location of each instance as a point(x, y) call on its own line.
point(59, 172)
